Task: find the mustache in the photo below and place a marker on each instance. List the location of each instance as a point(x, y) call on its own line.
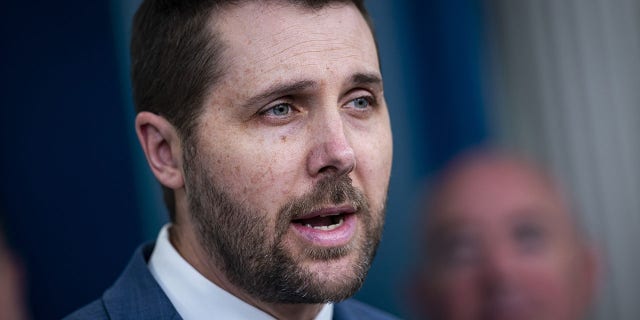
point(328, 191)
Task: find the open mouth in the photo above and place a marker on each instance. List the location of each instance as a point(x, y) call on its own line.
point(322, 222)
point(328, 227)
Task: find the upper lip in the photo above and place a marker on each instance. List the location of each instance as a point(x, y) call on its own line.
point(327, 211)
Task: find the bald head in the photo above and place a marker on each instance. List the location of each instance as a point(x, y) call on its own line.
point(502, 244)
point(488, 185)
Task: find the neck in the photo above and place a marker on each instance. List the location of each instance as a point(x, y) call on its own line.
point(294, 311)
point(184, 241)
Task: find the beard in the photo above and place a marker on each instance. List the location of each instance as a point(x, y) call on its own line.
point(238, 241)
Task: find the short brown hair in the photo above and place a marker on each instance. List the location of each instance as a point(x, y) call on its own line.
point(176, 59)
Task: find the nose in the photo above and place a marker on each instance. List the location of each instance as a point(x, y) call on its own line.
point(500, 270)
point(331, 151)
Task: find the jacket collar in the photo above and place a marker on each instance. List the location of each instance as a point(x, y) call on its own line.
point(136, 294)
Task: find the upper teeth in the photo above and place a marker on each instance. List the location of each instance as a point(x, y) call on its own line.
point(329, 227)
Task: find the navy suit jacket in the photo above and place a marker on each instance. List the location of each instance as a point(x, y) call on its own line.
point(137, 295)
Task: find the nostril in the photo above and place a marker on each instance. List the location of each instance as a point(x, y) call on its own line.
point(327, 160)
point(328, 169)
point(339, 167)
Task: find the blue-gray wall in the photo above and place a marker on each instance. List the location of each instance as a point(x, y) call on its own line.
point(76, 195)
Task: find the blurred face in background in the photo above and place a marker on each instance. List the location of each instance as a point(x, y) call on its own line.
point(502, 245)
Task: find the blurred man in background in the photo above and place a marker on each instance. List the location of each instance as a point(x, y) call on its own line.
point(502, 244)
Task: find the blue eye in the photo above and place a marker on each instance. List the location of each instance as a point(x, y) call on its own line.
point(361, 103)
point(279, 110)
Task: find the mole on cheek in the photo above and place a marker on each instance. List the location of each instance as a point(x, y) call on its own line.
point(283, 138)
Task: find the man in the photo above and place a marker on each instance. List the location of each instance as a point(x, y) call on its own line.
point(266, 124)
point(502, 244)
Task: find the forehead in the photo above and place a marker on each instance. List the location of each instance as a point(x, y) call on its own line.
point(279, 39)
point(498, 194)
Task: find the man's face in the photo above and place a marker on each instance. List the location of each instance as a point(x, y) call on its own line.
point(503, 247)
point(288, 176)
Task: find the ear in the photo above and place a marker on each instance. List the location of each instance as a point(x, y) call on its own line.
point(162, 147)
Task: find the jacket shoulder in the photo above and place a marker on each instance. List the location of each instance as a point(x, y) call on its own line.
point(354, 309)
point(94, 310)
point(135, 295)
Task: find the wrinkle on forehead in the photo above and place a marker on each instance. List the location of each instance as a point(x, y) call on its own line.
point(257, 32)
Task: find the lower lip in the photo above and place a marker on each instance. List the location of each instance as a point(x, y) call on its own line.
point(329, 238)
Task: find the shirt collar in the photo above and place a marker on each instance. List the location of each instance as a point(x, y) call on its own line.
point(193, 295)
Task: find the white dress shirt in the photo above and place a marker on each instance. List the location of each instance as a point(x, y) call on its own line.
point(193, 295)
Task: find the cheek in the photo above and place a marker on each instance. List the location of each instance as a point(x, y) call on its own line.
point(460, 294)
point(373, 162)
point(256, 171)
point(550, 288)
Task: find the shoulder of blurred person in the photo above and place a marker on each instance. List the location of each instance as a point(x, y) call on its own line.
point(12, 295)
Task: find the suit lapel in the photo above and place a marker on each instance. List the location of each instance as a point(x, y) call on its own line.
point(136, 294)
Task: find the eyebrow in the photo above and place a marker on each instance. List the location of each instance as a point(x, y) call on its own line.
point(287, 88)
point(280, 89)
point(366, 79)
